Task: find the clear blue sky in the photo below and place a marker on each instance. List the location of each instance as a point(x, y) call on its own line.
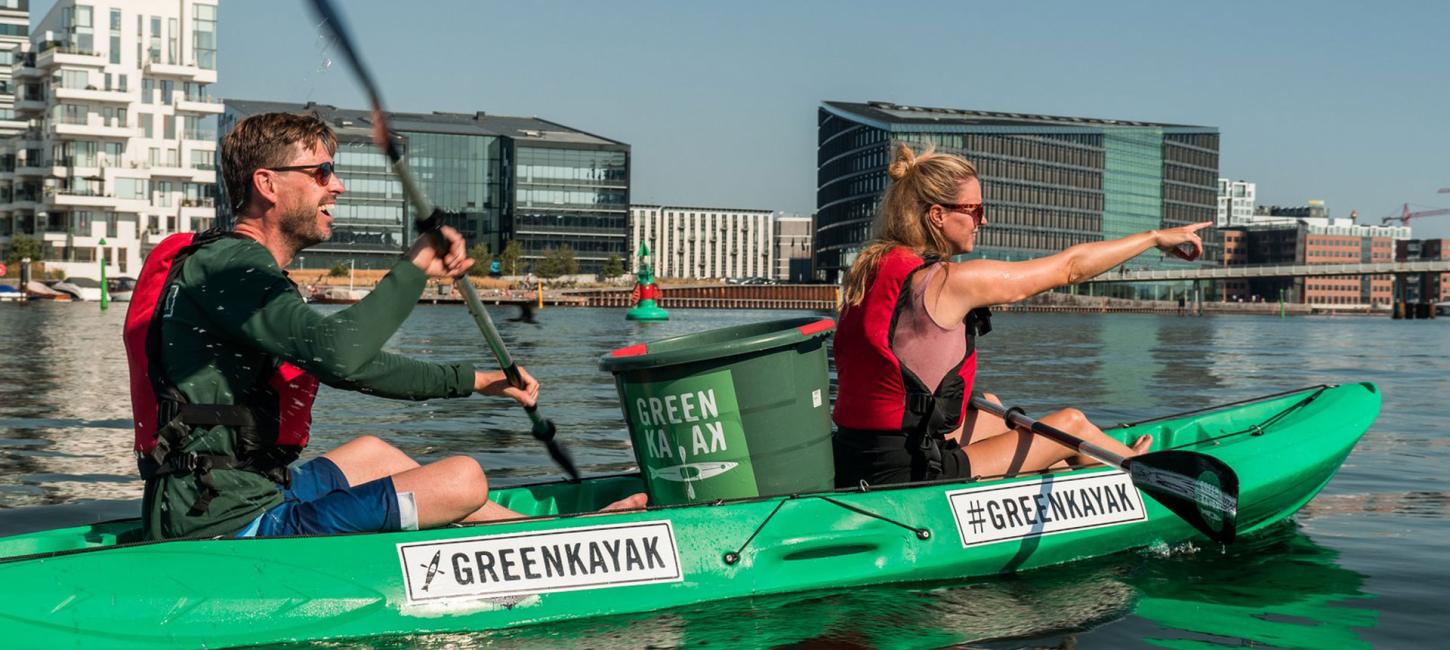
point(1342, 101)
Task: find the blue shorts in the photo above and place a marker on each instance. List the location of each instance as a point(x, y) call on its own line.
point(320, 502)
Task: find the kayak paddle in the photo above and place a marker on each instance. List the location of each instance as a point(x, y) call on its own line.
point(543, 428)
point(1199, 488)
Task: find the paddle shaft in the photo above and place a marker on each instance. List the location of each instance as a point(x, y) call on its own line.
point(429, 219)
point(1199, 488)
point(1017, 419)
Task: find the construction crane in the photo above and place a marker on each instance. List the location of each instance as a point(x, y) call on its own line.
point(1405, 215)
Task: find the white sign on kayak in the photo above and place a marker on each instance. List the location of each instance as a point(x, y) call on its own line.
point(543, 562)
point(1046, 506)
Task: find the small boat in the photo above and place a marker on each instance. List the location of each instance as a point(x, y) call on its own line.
point(121, 287)
point(10, 294)
point(102, 586)
point(79, 288)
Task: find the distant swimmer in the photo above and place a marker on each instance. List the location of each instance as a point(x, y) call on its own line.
point(526, 314)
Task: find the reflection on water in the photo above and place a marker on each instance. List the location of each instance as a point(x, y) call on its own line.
point(1364, 567)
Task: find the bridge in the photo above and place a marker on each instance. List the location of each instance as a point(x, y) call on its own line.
point(1277, 271)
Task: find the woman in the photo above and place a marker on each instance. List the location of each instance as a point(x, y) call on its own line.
point(905, 355)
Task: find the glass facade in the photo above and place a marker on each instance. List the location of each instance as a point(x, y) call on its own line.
point(505, 178)
point(1049, 182)
point(465, 174)
point(574, 197)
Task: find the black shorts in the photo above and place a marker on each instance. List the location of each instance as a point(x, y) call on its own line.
point(886, 457)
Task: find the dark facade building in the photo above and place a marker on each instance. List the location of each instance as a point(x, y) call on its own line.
point(521, 179)
point(1424, 287)
point(1049, 182)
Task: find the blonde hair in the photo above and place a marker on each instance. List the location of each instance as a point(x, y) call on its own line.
point(917, 183)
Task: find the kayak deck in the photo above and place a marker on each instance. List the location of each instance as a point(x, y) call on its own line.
point(96, 584)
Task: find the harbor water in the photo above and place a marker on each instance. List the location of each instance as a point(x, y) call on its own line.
point(1362, 566)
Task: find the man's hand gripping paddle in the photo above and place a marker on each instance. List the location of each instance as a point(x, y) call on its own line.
point(543, 428)
point(1197, 487)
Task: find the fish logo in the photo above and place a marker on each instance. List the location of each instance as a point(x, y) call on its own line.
point(432, 568)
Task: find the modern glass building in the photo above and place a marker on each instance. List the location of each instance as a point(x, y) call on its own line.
point(1049, 182)
point(520, 179)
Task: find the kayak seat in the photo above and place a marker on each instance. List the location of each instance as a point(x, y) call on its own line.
point(561, 498)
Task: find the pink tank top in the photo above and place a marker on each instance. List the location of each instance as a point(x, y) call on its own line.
point(929, 350)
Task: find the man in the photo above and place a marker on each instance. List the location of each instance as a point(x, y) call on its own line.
point(238, 354)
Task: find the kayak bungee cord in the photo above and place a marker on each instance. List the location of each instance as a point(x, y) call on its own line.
point(429, 220)
point(1199, 488)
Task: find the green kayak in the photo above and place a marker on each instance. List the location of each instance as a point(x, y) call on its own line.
point(93, 586)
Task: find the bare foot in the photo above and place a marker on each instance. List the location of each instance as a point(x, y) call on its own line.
point(1141, 445)
point(636, 501)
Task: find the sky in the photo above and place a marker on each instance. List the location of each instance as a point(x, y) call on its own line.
point(1347, 102)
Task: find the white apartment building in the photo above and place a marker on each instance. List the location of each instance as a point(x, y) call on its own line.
point(14, 34)
point(119, 140)
point(793, 237)
point(1235, 203)
point(705, 243)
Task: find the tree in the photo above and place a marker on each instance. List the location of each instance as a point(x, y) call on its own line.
point(339, 270)
point(512, 258)
point(557, 262)
point(481, 259)
point(21, 247)
point(613, 267)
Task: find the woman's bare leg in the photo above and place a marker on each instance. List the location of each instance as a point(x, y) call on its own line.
point(1024, 451)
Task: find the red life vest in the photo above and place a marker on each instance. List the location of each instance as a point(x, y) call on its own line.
point(875, 392)
point(271, 421)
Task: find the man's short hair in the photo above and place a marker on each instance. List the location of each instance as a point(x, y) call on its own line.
point(266, 140)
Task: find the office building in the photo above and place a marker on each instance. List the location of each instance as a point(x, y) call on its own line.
point(704, 243)
point(1049, 182)
point(524, 179)
point(793, 236)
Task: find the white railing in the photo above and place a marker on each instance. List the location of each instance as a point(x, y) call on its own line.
point(1277, 271)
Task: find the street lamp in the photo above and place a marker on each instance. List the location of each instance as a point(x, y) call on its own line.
point(350, 271)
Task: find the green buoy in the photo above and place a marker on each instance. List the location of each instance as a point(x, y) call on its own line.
point(646, 292)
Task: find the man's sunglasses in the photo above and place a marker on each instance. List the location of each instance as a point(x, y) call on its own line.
point(321, 172)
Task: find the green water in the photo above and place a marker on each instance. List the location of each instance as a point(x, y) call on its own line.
point(1361, 566)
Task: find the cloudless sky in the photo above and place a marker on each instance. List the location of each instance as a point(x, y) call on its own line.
point(1342, 101)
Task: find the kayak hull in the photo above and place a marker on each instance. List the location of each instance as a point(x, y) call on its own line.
point(89, 587)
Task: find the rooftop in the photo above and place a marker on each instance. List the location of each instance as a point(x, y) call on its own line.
point(901, 114)
point(529, 129)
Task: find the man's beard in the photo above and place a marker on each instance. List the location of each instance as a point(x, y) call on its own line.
point(301, 230)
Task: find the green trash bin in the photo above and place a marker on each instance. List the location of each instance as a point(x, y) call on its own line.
point(730, 413)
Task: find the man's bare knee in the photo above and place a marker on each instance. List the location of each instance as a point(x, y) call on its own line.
point(466, 475)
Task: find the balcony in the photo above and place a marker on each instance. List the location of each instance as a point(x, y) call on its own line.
point(93, 94)
point(186, 72)
point(65, 55)
point(95, 129)
point(70, 197)
point(200, 104)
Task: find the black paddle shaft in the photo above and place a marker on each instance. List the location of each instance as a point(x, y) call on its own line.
point(543, 428)
point(1199, 488)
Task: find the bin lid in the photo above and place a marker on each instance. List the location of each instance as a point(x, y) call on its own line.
point(717, 343)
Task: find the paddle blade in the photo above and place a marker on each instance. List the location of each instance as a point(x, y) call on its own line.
point(544, 431)
point(1197, 487)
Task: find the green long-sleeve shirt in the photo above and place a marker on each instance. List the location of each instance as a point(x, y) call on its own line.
point(235, 317)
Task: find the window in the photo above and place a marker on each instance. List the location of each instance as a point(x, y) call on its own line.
point(147, 88)
point(203, 36)
point(171, 35)
point(168, 129)
point(116, 37)
point(167, 87)
point(133, 188)
point(147, 121)
point(202, 159)
point(155, 50)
